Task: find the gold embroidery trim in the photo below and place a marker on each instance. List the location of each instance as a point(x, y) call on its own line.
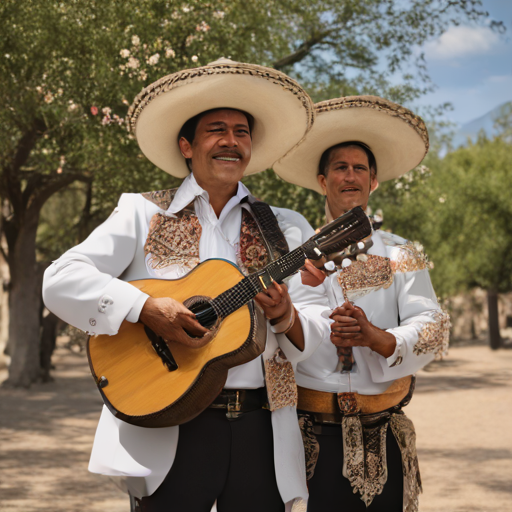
point(311, 446)
point(364, 457)
point(280, 380)
point(434, 336)
point(173, 241)
point(403, 430)
point(365, 276)
point(411, 258)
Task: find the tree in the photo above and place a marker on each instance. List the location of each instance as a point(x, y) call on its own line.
point(460, 208)
point(68, 70)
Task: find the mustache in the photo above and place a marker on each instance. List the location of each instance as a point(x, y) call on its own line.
point(229, 152)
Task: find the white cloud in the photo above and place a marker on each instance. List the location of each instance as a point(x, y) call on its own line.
point(462, 41)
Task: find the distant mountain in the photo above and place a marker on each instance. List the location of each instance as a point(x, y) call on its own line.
point(473, 128)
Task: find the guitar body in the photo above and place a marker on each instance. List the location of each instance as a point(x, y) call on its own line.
point(135, 384)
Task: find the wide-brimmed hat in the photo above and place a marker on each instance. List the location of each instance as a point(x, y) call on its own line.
point(397, 138)
point(283, 112)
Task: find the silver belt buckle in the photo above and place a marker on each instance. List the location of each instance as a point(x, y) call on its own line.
point(234, 407)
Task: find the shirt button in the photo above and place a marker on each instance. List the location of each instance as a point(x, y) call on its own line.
point(105, 301)
point(92, 321)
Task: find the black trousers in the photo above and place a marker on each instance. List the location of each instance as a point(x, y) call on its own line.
point(330, 491)
point(231, 461)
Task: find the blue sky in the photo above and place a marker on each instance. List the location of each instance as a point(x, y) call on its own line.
point(472, 66)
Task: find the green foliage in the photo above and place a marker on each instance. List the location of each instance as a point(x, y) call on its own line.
point(69, 69)
point(460, 208)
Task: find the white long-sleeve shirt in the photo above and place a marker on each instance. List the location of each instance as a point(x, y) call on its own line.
point(408, 309)
point(87, 287)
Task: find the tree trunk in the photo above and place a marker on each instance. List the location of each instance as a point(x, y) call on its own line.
point(50, 326)
point(24, 308)
point(494, 324)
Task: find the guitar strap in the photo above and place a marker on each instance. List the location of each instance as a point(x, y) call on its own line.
point(269, 227)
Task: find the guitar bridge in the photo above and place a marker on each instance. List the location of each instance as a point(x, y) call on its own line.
point(162, 349)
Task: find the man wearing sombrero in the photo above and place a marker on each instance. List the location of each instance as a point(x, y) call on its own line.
point(221, 121)
point(387, 324)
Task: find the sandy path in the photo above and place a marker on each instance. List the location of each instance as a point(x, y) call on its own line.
point(462, 410)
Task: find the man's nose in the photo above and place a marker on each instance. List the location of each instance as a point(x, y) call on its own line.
point(349, 174)
point(229, 139)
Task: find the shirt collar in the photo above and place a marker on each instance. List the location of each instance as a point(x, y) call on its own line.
point(190, 189)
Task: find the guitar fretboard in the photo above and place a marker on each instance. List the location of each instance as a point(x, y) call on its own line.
point(240, 294)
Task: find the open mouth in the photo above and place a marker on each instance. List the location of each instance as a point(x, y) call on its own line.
point(350, 190)
point(227, 158)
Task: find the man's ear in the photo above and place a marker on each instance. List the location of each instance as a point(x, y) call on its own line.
point(185, 147)
point(322, 182)
point(374, 184)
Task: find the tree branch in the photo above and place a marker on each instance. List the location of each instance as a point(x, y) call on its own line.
point(303, 50)
point(10, 178)
point(44, 192)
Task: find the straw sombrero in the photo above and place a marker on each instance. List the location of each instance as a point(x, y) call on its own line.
point(397, 138)
point(283, 112)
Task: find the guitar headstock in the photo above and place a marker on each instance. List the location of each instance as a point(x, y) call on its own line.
point(348, 229)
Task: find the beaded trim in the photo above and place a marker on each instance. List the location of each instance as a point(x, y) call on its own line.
point(371, 273)
point(280, 380)
point(169, 82)
point(380, 104)
point(434, 337)
point(411, 258)
point(403, 430)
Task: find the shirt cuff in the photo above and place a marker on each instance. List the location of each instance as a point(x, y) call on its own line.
point(398, 355)
point(134, 313)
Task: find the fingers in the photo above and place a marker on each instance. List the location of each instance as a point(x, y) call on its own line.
point(347, 340)
point(345, 329)
point(192, 326)
point(346, 309)
point(311, 275)
point(265, 301)
point(343, 319)
point(183, 338)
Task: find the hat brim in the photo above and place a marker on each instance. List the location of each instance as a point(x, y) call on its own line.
point(397, 138)
point(283, 112)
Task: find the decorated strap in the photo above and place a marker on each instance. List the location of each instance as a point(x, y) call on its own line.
point(280, 380)
point(269, 228)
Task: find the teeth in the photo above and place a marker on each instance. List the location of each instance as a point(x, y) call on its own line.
point(226, 159)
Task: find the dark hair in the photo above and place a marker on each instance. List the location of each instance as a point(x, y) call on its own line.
point(188, 130)
point(326, 156)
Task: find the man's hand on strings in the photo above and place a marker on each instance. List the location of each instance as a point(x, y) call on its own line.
point(311, 275)
point(351, 328)
point(275, 301)
point(278, 308)
point(172, 321)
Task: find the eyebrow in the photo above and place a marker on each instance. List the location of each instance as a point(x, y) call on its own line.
point(222, 123)
point(343, 162)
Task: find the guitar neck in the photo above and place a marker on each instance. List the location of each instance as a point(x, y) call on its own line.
point(240, 294)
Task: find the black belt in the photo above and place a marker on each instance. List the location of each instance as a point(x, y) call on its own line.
point(238, 401)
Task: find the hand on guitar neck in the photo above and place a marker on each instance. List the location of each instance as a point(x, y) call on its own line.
point(171, 320)
point(351, 328)
point(278, 308)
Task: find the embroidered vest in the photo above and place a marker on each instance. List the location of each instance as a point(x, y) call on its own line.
point(175, 240)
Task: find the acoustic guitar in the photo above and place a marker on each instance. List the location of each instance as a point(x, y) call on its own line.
point(150, 382)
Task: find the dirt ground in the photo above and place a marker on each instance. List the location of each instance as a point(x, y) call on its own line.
point(462, 410)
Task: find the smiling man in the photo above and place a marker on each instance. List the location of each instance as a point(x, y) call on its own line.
point(385, 323)
point(211, 125)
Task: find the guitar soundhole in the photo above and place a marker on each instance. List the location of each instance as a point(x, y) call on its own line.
point(201, 307)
